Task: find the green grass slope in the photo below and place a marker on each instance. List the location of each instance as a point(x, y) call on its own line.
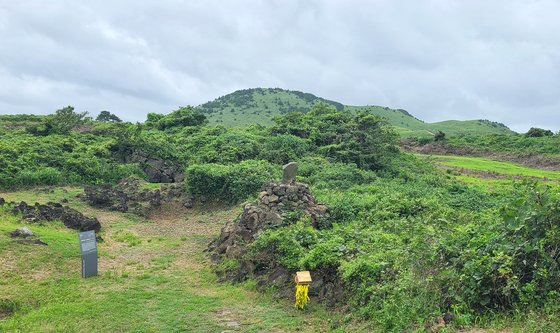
point(259, 105)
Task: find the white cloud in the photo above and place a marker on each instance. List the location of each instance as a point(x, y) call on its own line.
point(440, 60)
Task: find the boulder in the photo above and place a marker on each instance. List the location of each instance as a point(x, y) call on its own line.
point(22, 232)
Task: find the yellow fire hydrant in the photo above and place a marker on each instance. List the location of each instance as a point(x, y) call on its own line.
point(303, 280)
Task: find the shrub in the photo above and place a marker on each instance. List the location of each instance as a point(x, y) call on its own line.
point(439, 136)
point(62, 122)
point(363, 139)
point(322, 174)
point(285, 148)
point(535, 132)
point(37, 177)
point(182, 117)
point(230, 183)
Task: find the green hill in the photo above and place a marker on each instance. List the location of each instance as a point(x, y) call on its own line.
point(259, 105)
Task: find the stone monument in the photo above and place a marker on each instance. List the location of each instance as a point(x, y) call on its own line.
point(290, 171)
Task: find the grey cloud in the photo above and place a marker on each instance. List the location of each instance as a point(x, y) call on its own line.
point(498, 60)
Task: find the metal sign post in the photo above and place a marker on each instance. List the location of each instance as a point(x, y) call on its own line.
point(89, 253)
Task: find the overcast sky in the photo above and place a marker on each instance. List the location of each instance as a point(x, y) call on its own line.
point(498, 60)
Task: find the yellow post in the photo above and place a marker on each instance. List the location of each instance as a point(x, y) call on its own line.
point(303, 280)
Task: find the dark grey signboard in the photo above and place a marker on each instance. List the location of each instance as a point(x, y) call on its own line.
point(89, 253)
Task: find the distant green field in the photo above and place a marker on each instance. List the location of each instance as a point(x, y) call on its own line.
point(492, 166)
point(258, 106)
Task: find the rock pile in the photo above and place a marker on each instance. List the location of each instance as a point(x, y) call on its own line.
point(128, 197)
point(55, 211)
point(157, 169)
point(274, 208)
point(275, 203)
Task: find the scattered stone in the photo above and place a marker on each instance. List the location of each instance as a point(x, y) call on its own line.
point(25, 233)
point(54, 211)
point(128, 197)
point(290, 171)
point(448, 317)
point(22, 232)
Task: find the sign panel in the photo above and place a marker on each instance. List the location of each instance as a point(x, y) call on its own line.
point(88, 247)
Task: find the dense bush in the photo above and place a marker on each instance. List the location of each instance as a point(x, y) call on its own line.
point(363, 139)
point(184, 116)
point(61, 122)
point(230, 183)
point(535, 132)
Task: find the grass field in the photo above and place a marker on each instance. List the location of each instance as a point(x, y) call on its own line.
point(488, 168)
point(154, 277)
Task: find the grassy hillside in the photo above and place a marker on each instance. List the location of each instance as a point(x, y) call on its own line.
point(250, 106)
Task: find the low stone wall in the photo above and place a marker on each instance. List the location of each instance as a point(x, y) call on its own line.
point(128, 197)
point(71, 218)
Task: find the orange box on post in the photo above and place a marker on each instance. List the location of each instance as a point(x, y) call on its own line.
point(303, 277)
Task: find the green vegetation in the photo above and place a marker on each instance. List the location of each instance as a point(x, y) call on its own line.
point(259, 106)
point(514, 144)
point(497, 168)
point(158, 277)
point(230, 183)
point(404, 242)
point(535, 132)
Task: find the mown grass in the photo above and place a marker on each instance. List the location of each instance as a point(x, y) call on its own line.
point(490, 166)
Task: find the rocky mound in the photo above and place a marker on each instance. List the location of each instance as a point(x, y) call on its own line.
point(128, 197)
point(157, 169)
point(275, 202)
point(54, 211)
point(275, 207)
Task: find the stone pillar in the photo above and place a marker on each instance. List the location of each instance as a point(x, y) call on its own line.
point(290, 171)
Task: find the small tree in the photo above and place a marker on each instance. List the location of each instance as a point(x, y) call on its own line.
point(536, 132)
point(182, 117)
point(107, 116)
point(440, 136)
point(62, 122)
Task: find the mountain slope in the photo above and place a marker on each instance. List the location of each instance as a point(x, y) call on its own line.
point(259, 105)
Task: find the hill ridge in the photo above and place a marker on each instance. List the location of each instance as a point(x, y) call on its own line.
point(258, 105)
